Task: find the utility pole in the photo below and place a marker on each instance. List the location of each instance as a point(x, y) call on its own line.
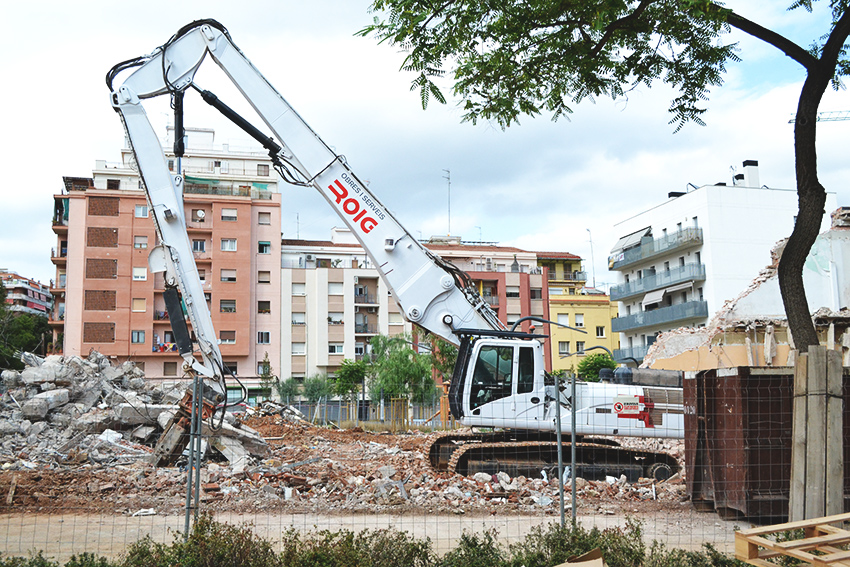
point(448, 178)
point(592, 261)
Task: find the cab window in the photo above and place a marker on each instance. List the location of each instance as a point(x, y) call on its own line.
point(491, 379)
point(525, 380)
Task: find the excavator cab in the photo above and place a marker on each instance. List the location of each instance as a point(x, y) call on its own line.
point(498, 380)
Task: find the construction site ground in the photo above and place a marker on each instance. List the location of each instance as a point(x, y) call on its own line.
point(320, 478)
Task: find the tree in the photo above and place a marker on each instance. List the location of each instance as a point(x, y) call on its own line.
point(520, 57)
point(443, 357)
point(349, 377)
point(591, 364)
point(19, 332)
point(287, 389)
point(267, 379)
point(399, 371)
point(317, 387)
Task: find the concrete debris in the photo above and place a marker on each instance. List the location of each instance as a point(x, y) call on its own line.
point(72, 410)
point(90, 452)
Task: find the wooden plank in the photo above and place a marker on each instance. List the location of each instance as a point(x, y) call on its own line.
point(11, 495)
point(787, 526)
point(834, 453)
point(813, 542)
point(816, 434)
point(797, 496)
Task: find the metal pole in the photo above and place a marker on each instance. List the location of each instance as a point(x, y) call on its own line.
point(560, 447)
point(198, 401)
point(191, 463)
point(573, 446)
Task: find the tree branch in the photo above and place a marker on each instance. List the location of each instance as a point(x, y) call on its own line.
point(617, 24)
point(778, 41)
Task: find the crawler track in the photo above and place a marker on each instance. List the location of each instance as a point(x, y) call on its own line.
point(528, 454)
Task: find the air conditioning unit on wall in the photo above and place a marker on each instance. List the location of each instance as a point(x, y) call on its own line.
point(373, 310)
point(309, 257)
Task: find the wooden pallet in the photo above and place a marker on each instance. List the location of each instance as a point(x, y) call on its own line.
point(821, 544)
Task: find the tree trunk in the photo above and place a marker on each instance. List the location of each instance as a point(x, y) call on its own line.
point(811, 200)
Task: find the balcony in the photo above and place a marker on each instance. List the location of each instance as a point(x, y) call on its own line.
point(661, 316)
point(569, 277)
point(361, 298)
point(60, 226)
point(61, 259)
point(681, 274)
point(623, 355)
point(199, 189)
point(364, 329)
point(199, 226)
point(491, 300)
point(682, 239)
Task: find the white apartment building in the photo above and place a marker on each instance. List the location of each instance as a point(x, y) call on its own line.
point(678, 262)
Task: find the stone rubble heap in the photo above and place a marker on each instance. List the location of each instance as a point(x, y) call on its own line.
point(69, 410)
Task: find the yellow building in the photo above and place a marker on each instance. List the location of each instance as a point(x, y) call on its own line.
point(572, 303)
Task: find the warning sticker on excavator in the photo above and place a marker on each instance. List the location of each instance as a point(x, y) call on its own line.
point(626, 404)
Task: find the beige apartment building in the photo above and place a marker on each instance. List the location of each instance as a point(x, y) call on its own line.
point(106, 298)
point(337, 302)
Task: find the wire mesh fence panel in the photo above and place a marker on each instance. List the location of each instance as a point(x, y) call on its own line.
point(691, 463)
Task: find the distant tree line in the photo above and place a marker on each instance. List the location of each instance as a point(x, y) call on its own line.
point(19, 332)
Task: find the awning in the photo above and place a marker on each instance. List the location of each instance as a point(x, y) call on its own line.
point(631, 240)
point(653, 297)
point(679, 287)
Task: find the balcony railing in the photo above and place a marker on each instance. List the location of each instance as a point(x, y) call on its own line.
point(630, 354)
point(680, 274)
point(681, 239)
point(491, 300)
point(364, 298)
point(197, 189)
point(660, 316)
point(569, 277)
point(365, 329)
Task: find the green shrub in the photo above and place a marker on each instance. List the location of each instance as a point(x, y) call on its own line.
point(37, 560)
point(475, 550)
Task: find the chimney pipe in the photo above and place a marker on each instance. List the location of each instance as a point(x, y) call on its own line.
point(738, 179)
point(751, 168)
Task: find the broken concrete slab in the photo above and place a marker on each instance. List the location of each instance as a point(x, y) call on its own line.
point(54, 398)
point(232, 450)
point(135, 413)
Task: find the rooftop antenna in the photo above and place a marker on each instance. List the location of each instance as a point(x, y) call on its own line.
point(592, 261)
point(297, 227)
point(448, 178)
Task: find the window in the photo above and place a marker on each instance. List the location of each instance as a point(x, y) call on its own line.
point(298, 318)
point(335, 318)
point(198, 215)
point(140, 274)
point(263, 337)
point(202, 275)
point(491, 379)
point(335, 288)
point(231, 366)
point(396, 319)
point(228, 214)
point(141, 211)
point(228, 245)
point(171, 165)
point(228, 275)
point(698, 257)
point(227, 337)
point(228, 305)
point(525, 380)
point(359, 349)
point(169, 369)
point(579, 320)
point(199, 246)
point(264, 247)
point(140, 242)
point(264, 218)
point(579, 347)
point(139, 305)
point(263, 169)
point(137, 337)
point(113, 184)
point(600, 332)
point(264, 277)
point(264, 306)
point(512, 291)
point(563, 347)
point(699, 290)
point(334, 348)
point(299, 289)
point(536, 293)
point(666, 266)
point(564, 319)
point(299, 349)
point(681, 261)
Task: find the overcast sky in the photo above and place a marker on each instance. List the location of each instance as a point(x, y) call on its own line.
point(539, 186)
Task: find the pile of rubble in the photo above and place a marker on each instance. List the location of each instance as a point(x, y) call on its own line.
point(75, 434)
point(70, 410)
